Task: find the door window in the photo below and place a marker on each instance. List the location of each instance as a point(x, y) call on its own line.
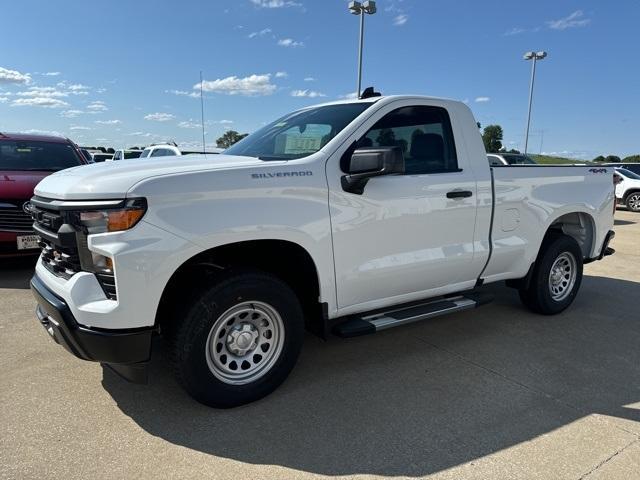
point(423, 133)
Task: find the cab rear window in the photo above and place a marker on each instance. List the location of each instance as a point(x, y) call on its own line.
point(37, 156)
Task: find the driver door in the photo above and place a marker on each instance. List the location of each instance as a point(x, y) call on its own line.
point(404, 238)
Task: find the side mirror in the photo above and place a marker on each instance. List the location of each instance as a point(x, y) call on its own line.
point(371, 162)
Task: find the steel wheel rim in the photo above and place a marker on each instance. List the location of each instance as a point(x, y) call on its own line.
point(245, 342)
point(634, 201)
point(562, 276)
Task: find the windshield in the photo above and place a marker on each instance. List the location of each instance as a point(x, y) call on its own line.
point(145, 153)
point(518, 160)
point(298, 134)
point(131, 154)
point(33, 155)
point(628, 173)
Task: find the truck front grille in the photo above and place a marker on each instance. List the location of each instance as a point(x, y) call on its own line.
point(62, 262)
point(13, 218)
point(66, 258)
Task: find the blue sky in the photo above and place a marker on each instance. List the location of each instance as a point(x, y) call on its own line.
point(123, 73)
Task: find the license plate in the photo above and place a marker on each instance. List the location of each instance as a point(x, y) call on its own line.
point(27, 242)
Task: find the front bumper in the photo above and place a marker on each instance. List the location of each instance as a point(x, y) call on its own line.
point(125, 351)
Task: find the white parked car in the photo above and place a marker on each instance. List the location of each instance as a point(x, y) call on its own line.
point(628, 189)
point(501, 159)
point(349, 217)
point(99, 156)
point(161, 150)
point(166, 150)
point(123, 154)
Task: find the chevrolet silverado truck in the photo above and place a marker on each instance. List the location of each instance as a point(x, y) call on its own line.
point(346, 218)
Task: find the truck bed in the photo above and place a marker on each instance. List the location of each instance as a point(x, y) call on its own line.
point(528, 199)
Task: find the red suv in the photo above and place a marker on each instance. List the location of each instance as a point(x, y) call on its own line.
point(24, 161)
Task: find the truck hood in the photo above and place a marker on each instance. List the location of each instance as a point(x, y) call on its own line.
point(16, 185)
point(114, 179)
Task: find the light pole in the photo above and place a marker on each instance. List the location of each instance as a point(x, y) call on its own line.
point(357, 8)
point(535, 56)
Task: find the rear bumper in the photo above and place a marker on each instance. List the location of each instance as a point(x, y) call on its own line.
point(125, 351)
point(606, 249)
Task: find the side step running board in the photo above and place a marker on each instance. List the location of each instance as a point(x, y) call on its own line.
point(372, 323)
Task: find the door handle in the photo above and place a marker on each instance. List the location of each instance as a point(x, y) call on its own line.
point(459, 194)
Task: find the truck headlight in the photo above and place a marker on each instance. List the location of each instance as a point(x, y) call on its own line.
point(114, 219)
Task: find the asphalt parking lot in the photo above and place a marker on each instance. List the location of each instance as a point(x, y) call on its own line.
point(493, 393)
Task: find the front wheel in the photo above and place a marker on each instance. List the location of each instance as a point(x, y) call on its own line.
point(633, 202)
point(556, 278)
point(239, 340)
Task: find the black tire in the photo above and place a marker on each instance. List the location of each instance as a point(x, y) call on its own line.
point(191, 346)
point(633, 201)
point(538, 296)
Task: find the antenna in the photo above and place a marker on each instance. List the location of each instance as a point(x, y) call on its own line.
point(202, 113)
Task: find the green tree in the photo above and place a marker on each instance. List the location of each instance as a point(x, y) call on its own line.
point(229, 138)
point(612, 159)
point(632, 159)
point(599, 158)
point(492, 138)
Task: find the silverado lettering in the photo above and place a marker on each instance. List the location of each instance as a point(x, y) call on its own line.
point(282, 174)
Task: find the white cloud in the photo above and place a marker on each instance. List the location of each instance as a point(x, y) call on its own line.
point(183, 93)
point(49, 92)
point(143, 134)
point(275, 3)
point(13, 76)
point(309, 79)
point(307, 93)
point(289, 42)
point(78, 89)
point(35, 131)
point(261, 33)
point(576, 19)
point(79, 127)
point(350, 96)
point(514, 31)
point(189, 124)
point(108, 122)
point(225, 122)
point(51, 74)
point(400, 19)
point(250, 86)
point(281, 75)
point(159, 117)
point(71, 113)
point(3, 99)
point(45, 102)
point(97, 106)
point(482, 99)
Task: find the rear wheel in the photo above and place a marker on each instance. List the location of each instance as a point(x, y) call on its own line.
point(633, 202)
point(239, 340)
point(556, 277)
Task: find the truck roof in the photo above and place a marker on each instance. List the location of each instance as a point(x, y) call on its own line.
point(386, 98)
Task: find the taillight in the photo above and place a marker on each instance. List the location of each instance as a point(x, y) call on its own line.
point(616, 180)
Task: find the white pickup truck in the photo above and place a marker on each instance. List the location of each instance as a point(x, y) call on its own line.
point(347, 218)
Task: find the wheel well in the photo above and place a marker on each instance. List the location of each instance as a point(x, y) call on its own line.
point(286, 260)
point(579, 226)
point(629, 192)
